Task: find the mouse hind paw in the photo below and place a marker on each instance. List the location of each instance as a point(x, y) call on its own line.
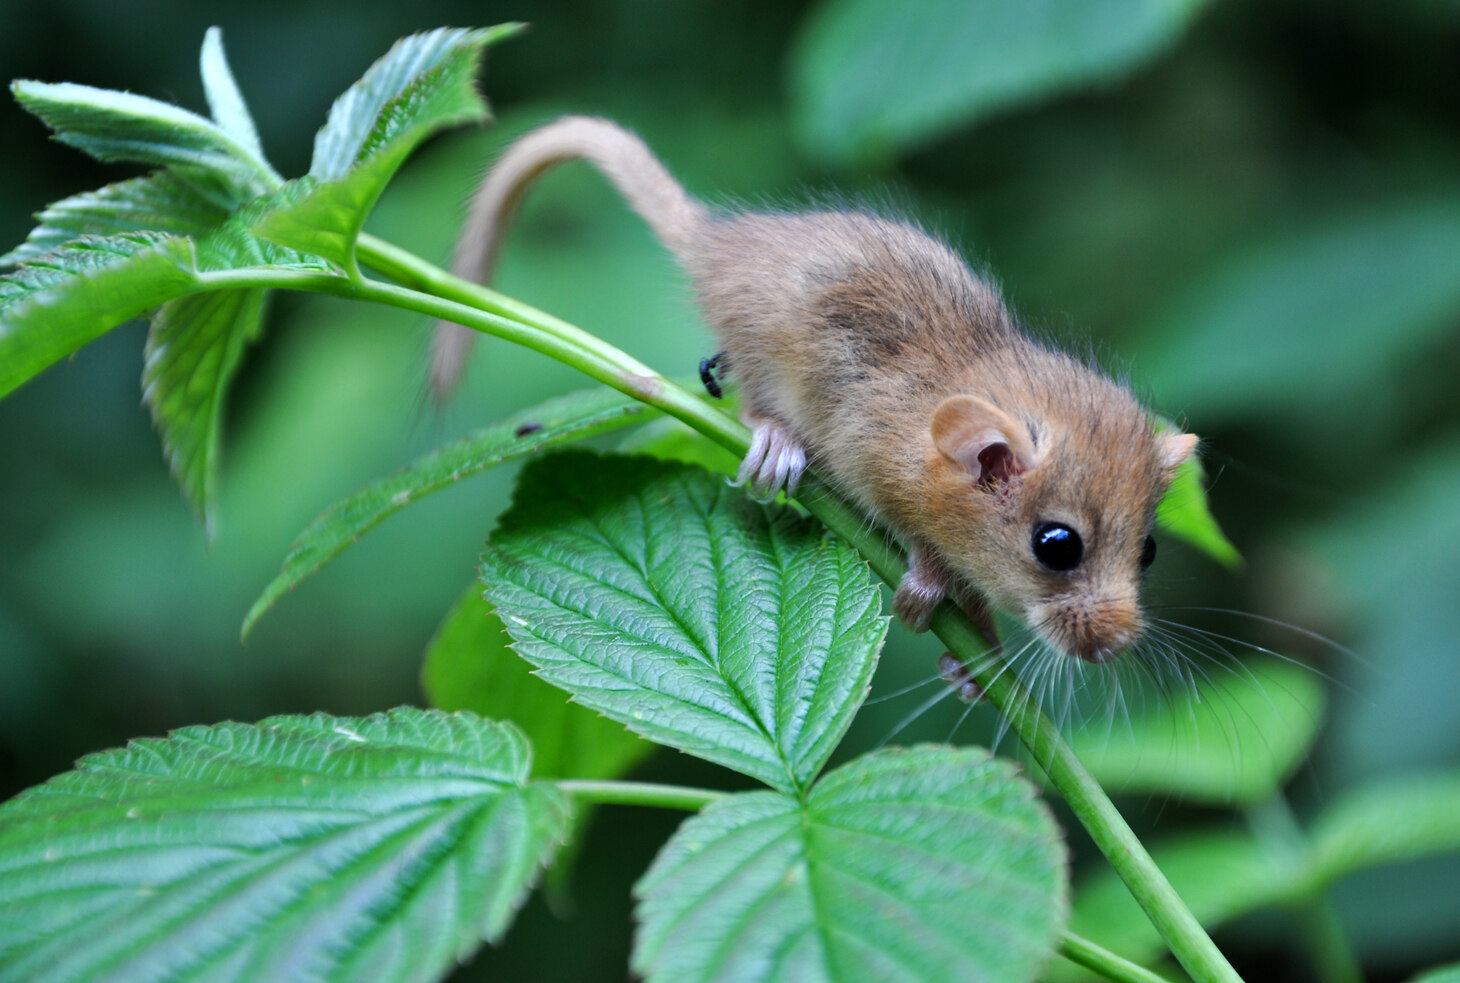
point(775, 461)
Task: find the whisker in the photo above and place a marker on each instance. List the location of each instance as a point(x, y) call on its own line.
point(942, 694)
point(1307, 633)
point(1188, 670)
point(909, 688)
point(1217, 636)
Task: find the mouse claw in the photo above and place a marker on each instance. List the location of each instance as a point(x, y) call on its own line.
point(957, 675)
point(775, 462)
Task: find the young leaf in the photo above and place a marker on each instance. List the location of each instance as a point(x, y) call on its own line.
point(1185, 513)
point(874, 76)
point(193, 350)
point(1403, 819)
point(57, 303)
point(1234, 740)
point(425, 83)
point(921, 865)
point(60, 301)
point(469, 666)
point(225, 101)
point(121, 126)
point(573, 417)
point(160, 202)
point(423, 79)
point(196, 342)
point(667, 600)
point(383, 848)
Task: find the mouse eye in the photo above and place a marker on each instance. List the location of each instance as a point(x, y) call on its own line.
point(1148, 552)
point(1057, 546)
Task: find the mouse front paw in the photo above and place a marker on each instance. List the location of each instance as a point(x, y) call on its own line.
point(920, 591)
point(775, 461)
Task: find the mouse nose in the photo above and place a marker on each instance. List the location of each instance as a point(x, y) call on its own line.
point(1104, 650)
point(1092, 627)
point(1100, 631)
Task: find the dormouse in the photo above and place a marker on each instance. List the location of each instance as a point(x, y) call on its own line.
point(1017, 476)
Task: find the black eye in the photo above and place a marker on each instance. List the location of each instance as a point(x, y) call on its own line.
point(1057, 546)
point(1148, 552)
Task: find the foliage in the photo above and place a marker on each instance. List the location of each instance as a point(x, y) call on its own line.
point(390, 847)
point(382, 848)
point(951, 62)
point(351, 839)
point(568, 418)
point(1226, 873)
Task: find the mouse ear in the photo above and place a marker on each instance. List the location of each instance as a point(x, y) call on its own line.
point(1174, 448)
point(982, 439)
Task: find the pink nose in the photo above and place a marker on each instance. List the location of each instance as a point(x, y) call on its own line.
point(1103, 653)
point(1106, 632)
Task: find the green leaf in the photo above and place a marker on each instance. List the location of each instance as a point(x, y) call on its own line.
point(58, 302)
point(1220, 874)
point(923, 865)
point(469, 666)
point(196, 343)
point(426, 79)
point(573, 417)
point(1185, 513)
point(667, 600)
point(121, 126)
point(871, 77)
point(383, 848)
point(225, 101)
point(1234, 740)
point(1402, 819)
point(1318, 304)
point(193, 350)
point(425, 83)
point(159, 202)
point(233, 245)
point(55, 304)
point(1443, 974)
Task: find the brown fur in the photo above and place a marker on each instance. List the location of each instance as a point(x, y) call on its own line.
point(874, 349)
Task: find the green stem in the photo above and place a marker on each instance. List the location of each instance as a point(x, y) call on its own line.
point(641, 794)
point(485, 310)
point(1083, 952)
point(450, 298)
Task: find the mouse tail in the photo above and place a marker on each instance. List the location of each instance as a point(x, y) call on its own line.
point(623, 158)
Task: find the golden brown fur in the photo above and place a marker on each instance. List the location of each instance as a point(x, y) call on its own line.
point(871, 349)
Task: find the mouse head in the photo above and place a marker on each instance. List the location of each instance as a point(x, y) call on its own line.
point(1050, 515)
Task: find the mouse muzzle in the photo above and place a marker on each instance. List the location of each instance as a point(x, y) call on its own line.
point(1096, 631)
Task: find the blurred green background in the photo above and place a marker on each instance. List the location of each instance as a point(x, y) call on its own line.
point(1251, 208)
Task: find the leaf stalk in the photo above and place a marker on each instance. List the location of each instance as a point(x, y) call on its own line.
point(640, 794)
point(1083, 952)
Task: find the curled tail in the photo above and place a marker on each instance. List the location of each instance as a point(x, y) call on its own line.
point(624, 159)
